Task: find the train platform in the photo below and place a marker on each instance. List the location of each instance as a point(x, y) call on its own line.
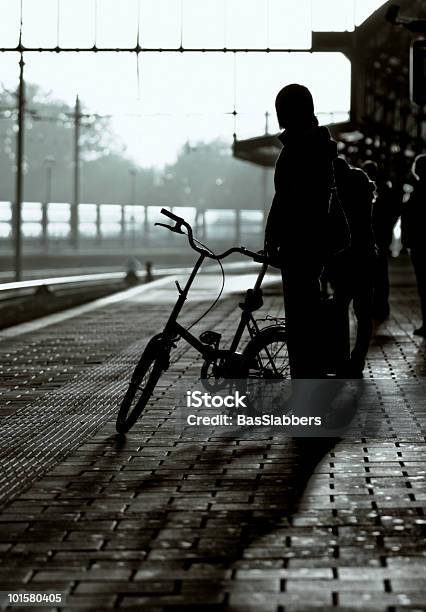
point(161, 521)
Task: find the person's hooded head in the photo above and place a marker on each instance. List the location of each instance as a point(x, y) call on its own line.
point(419, 167)
point(295, 108)
point(371, 169)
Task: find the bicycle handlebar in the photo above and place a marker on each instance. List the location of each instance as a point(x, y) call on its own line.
point(170, 215)
point(179, 222)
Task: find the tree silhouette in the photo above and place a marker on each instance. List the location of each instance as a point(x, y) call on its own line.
point(205, 175)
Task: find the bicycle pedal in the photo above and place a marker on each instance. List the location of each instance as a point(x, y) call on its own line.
point(210, 338)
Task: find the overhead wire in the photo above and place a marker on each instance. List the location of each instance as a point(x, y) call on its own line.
point(225, 24)
point(234, 111)
point(58, 21)
point(21, 21)
point(268, 11)
point(95, 24)
point(181, 24)
point(138, 49)
point(138, 81)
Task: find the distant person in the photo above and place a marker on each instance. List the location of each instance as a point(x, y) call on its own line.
point(413, 236)
point(352, 273)
point(386, 211)
point(296, 225)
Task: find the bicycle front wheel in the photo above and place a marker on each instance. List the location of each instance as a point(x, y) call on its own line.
point(141, 387)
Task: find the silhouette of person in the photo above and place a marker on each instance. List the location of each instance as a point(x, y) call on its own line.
point(413, 233)
point(296, 224)
point(352, 273)
point(386, 211)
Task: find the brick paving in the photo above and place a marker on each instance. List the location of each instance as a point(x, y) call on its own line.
point(162, 521)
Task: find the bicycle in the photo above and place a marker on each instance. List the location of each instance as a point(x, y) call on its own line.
point(264, 357)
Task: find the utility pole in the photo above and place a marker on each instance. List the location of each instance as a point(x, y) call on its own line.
point(17, 224)
point(76, 187)
point(265, 177)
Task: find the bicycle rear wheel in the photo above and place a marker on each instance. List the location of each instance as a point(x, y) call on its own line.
point(268, 383)
point(141, 387)
point(266, 354)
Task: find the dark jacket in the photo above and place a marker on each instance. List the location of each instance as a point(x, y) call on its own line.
point(298, 215)
point(413, 218)
point(353, 269)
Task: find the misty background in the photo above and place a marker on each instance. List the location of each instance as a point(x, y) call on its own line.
point(157, 129)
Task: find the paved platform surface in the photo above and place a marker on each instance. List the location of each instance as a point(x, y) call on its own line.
point(167, 522)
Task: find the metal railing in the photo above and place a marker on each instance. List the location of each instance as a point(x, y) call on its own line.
point(119, 225)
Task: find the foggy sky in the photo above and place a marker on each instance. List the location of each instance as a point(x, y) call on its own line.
point(182, 97)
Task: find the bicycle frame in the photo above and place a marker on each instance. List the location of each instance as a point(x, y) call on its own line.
point(219, 364)
point(175, 330)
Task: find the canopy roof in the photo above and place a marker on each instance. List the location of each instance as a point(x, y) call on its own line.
point(379, 52)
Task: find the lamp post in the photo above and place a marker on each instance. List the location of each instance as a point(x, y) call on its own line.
point(133, 173)
point(49, 162)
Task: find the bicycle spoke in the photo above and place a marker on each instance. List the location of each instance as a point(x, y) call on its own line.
point(271, 358)
point(274, 356)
